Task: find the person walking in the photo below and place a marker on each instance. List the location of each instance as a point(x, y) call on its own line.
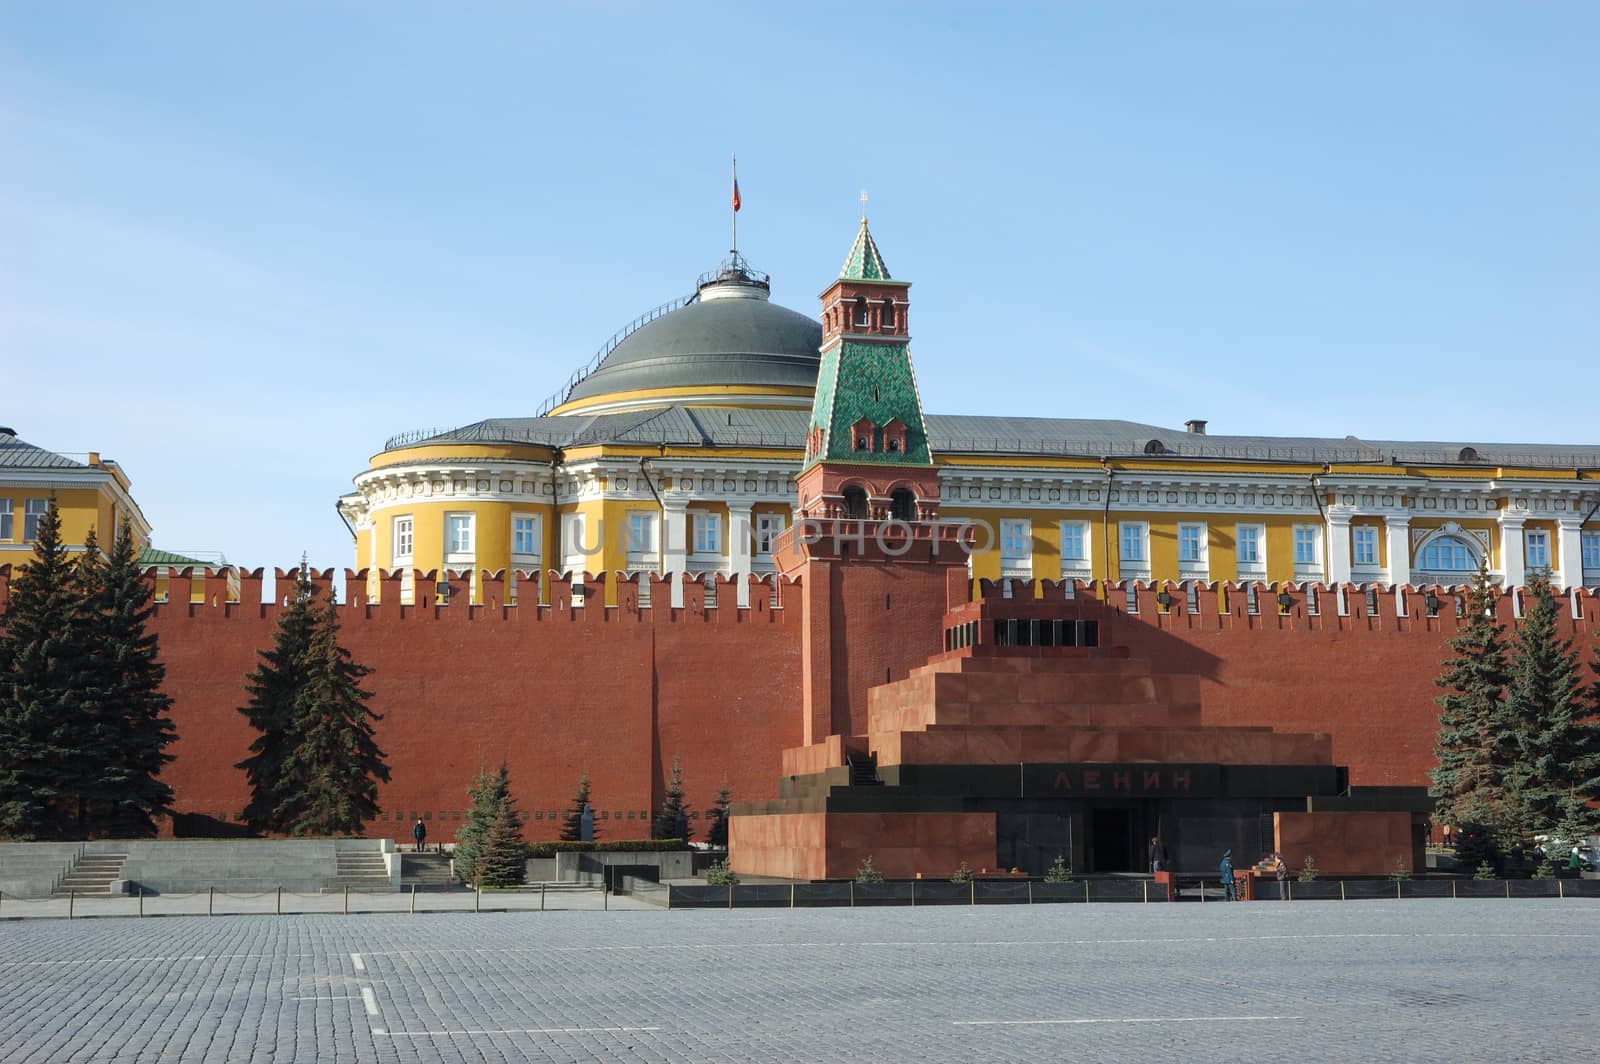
point(1158, 855)
point(419, 832)
point(1230, 890)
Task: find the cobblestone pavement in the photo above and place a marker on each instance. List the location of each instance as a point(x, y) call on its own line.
point(1370, 981)
point(222, 903)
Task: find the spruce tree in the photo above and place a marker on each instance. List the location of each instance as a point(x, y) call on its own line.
point(487, 792)
point(1546, 710)
point(127, 793)
point(332, 773)
point(1470, 745)
point(42, 675)
point(572, 819)
point(717, 830)
point(673, 820)
point(273, 687)
point(503, 861)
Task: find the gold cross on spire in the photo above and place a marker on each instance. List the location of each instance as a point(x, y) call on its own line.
point(863, 205)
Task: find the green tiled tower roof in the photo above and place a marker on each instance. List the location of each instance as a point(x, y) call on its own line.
point(868, 378)
point(864, 263)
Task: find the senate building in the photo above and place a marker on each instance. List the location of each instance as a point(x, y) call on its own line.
point(675, 450)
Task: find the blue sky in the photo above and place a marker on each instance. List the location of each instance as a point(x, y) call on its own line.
point(240, 245)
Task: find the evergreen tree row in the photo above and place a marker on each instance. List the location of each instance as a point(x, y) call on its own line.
point(83, 720)
point(1518, 746)
point(315, 765)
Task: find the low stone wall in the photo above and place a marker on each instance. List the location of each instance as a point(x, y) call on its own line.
point(244, 865)
point(589, 867)
point(32, 869)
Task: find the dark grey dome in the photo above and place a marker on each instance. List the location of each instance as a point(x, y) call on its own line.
point(733, 335)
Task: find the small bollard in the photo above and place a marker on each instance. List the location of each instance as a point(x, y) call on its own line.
point(211, 901)
point(791, 895)
point(141, 902)
point(280, 899)
point(541, 896)
point(413, 899)
point(730, 895)
point(72, 902)
point(852, 894)
point(477, 897)
point(347, 899)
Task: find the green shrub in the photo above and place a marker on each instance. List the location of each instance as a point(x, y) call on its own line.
point(720, 875)
point(1401, 873)
point(1308, 871)
point(962, 874)
point(868, 872)
point(1546, 870)
point(1485, 871)
point(1059, 872)
point(550, 849)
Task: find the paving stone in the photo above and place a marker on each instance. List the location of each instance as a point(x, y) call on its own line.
point(1418, 980)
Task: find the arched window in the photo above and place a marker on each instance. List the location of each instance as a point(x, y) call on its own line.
point(861, 313)
point(1448, 554)
point(863, 443)
point(855, 504)
point(894, 444)
point(903, 505)
point(887, 317)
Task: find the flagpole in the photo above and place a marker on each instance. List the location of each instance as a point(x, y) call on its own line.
point(734, 252)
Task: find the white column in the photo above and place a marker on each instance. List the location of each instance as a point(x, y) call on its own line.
point(1512, 567)
point(740, 539)
point(1569, 552)
point(1398, 530)
point(1338, 533)
point(675, 545)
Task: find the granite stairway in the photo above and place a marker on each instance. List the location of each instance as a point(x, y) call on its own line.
point(426, 872)
point(359, 870)
point(92, 873)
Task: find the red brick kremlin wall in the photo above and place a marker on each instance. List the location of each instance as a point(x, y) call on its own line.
point(556, 690)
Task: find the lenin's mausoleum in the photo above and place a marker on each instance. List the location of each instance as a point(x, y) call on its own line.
point(735, 539)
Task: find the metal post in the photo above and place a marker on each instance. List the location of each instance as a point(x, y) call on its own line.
point(1561, 889)
point(1146, 891)
point(791, 895)
point(413, 899)
point(1452, 888)
point(1086, 890)
point(1508, 888)
point(211, 901)
point(347, 899)
point(477, 897)
point(730, 895)
point(913, 893)
point(541, 897)
point(1341, 890)
point(852, 894)
point(972, 892)
point(1397, 890)
point(72, 902)
point(280, 899)
point(1030, 892)
point(141, 902)
point(1290, 884)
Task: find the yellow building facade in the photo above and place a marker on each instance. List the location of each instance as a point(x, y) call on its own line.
point(92, 494)
point(675, 451)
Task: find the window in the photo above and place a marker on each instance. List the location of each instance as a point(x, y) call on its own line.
point(902, 503)
point(33, 513)
point(888, 314)
point(458, 533)
point(574, 543)
point(855, 503)
point(707, 534)
point(1591, 546)
point(525, 535)
point(861, 312)
point(1016, 542)
point(1131, 538)
point(1306, 552)
point(1191, 544)
point(1074, 543)
point(641, 532)
point(403, 540)
point(1538, 549)
point(1248, 538)
point(5, 519)
point(1447, 554)
point(1364, 540)
point(768, 526)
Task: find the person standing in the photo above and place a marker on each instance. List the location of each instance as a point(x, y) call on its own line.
point(419, 833)
point(1280, 869)
point(1158, 855)
point(1230, 890)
